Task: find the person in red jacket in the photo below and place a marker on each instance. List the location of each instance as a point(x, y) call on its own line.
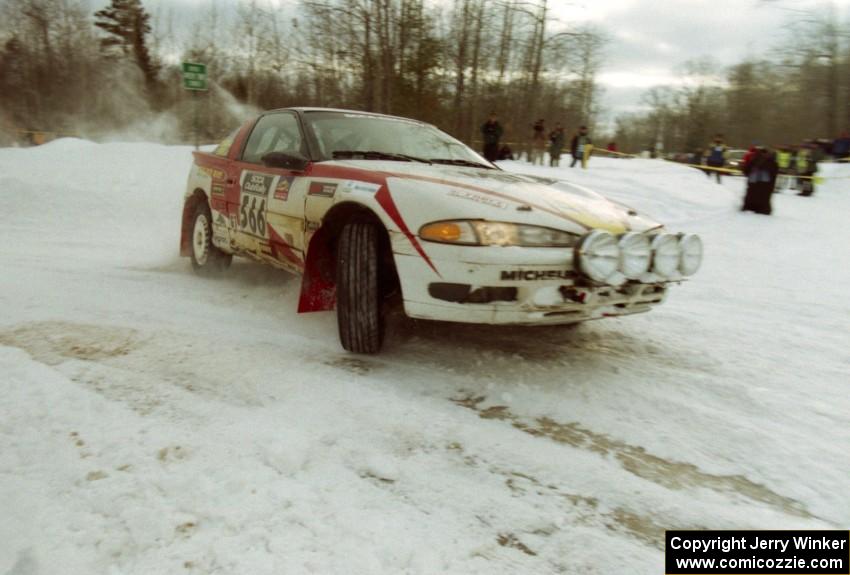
point(748, 157)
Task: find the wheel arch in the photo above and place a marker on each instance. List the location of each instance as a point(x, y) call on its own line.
point(318, 284)
point(189, 205)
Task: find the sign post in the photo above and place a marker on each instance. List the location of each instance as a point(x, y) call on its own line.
point(195, 80)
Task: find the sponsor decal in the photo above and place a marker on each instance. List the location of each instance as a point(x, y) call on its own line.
point(488, 174)
point(256, 183)
point(323, 189)
point(478, 198)
point(217, 190)
point(535, 275)
point(355, 186)
point(212, 172)
point(281, 192)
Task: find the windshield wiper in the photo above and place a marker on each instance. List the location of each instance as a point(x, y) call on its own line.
point(376, 155)
point(454, 162)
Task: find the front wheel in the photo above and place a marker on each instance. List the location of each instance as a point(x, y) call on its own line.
point(206, 257)
point(359, 313)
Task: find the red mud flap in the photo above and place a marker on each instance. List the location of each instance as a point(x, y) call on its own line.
point(318, 285)
point(316, 295)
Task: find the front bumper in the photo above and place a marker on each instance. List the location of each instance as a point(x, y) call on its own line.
point(497, 285)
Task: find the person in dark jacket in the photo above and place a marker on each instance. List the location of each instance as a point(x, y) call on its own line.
point(841, 147)
point(538, 142)
point(491, 132)
point(580, 147)
point(761, 171)
point(505, 152)
point(556, 145)
point(715, 156)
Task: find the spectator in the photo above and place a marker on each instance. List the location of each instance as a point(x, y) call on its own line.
point(505, 153)
point(841, 148)
point(556, 145)
point(580, 147)
point(784, 160)
point(715, 156)
point(754, 148)
point(695, 158)
point(807, 166)
point(761, 171)
point(538, 142)
point(491, 131)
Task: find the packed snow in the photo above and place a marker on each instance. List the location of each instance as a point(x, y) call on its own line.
point(154, 421)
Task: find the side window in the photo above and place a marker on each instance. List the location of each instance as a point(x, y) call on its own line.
point(224, 147)
point(273, 133)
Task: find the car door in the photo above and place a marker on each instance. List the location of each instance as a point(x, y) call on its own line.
point(268, 201)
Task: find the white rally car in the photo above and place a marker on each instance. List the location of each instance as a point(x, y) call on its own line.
point(367, 206)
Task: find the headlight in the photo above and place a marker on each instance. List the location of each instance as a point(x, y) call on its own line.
point(598, 255)
point(665, 254)
point(635, 255)
point(481, 233)
point(690, 246)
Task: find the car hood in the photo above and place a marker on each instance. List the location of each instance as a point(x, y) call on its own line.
point(466, 192)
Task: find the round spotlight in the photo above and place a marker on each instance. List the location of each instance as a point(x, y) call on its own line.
point(598, 256)
point(665, 255)
point(690, 246)
point(635, 255)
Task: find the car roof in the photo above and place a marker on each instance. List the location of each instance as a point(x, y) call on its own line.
point(307, 109)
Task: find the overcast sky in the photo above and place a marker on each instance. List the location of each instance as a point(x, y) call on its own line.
point(649, 39)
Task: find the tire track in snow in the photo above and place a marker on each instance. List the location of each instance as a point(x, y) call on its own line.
point(636, 460)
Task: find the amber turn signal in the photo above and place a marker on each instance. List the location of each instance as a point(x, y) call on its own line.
point(441, 232)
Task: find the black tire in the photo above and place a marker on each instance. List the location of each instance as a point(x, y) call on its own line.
point(358, 288)
point(206, 257)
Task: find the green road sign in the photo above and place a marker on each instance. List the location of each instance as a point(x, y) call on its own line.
point(194, 76)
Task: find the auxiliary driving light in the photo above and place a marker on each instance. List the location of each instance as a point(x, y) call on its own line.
point(665, 255)
point(598, 255)
point(635, 255)
point(690, 246)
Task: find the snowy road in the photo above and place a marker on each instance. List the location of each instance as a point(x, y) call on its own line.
point(157, 422)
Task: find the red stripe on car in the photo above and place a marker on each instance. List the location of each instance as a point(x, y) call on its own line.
point(385, 200)
point(278, 244)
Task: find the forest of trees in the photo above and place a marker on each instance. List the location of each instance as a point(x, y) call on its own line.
point(67, 70)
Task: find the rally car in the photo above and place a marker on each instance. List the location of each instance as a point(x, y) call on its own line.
point(369, 207)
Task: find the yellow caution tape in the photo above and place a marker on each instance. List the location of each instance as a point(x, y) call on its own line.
point(730, 171)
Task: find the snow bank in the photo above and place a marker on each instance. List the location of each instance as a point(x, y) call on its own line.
point(158, 422)
point(92, 202)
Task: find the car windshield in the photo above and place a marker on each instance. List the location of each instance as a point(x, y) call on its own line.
point(367, 137)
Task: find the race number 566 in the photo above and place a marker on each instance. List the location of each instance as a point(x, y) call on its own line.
point(252, 203)
point(252, 215)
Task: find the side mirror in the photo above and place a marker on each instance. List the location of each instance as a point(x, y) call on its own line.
point(291, 161)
